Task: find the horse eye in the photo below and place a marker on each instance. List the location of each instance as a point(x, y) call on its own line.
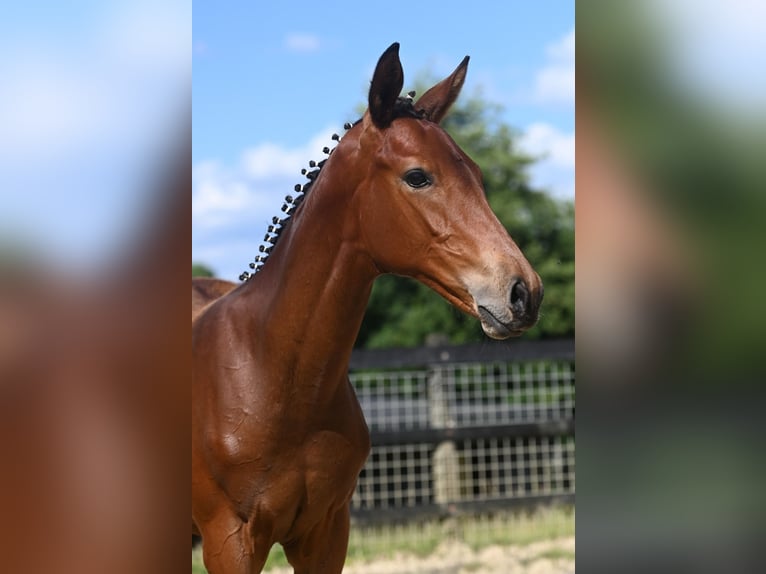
point(417, 178)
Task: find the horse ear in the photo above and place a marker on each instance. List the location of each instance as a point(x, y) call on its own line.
point(436, 102)
point(387, 82)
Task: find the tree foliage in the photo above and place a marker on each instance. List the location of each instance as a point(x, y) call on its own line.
point(403, 312)
point(201, 270)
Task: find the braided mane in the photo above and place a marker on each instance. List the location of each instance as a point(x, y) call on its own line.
point(403, 108)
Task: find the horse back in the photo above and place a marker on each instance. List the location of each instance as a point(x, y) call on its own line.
point(205, 290)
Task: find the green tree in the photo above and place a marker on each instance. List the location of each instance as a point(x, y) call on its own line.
point(403, 312)
point(201, 270)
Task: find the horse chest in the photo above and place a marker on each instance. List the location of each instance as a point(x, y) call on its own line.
point(294, 463)
point(334, 449)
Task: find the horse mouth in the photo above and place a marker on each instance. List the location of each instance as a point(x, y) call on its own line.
point(494, 327)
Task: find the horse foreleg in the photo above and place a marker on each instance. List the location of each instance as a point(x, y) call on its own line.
point(228, 547)
point(323, 549)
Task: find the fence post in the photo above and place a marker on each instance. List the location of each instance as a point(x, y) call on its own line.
point(446, 464)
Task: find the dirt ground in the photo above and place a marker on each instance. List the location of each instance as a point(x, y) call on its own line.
point(548, 557)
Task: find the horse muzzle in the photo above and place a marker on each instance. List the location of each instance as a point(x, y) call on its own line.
point(513, 316)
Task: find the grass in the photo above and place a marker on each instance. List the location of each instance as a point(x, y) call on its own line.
point(421, 539)
point(197, 566)
point(519, 529)
point(276, 559)
point(557, 554)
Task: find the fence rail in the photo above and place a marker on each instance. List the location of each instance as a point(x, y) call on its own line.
point(465, 429)
point(434, 436)
point(550, 349)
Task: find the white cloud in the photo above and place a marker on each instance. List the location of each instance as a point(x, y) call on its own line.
point(226, 197)
point(298, 42)
point(564, 49)
point(555, 82)
point(270, 160)
point(217, 193)
point(253, 188)
point(554, 170)
point(542, 139)
point(233, 204)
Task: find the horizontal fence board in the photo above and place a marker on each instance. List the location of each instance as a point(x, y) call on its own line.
point(487, 351)
point(438, 435)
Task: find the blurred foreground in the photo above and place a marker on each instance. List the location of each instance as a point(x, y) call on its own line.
point(671, 123)
point(94, 404)
point(95, 156)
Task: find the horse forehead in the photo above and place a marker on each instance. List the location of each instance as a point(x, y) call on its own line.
point(422, 138)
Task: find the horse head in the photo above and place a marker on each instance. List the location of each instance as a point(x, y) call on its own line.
point(422, 208)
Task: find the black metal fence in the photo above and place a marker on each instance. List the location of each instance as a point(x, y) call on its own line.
point(468, 429)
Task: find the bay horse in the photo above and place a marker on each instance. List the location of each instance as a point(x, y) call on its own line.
point(278, 436)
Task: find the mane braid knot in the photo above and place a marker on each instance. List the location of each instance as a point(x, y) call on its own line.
point(288, 207)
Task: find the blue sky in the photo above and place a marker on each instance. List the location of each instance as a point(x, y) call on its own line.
point(93, 94)
point(272, 81)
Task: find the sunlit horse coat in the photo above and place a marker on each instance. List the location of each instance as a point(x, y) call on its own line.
point(278, 437)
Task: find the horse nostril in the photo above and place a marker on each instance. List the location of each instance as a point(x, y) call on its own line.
point(519, 297)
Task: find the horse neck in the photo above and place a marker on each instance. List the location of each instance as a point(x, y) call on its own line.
point(309, 299)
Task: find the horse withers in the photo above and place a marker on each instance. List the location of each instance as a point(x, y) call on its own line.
point(278, 437)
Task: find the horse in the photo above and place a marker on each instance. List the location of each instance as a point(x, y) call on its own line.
point(205, 290)
point(278, 436)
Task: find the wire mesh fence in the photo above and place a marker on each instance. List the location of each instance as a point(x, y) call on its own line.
point(473, 429)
